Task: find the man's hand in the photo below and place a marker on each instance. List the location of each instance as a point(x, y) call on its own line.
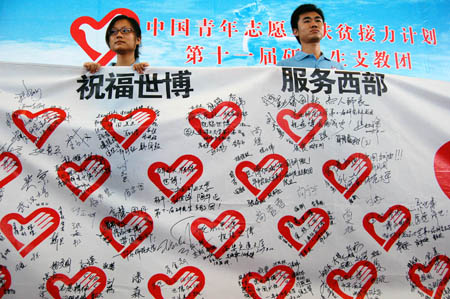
point(92, 67)
point(140, 67)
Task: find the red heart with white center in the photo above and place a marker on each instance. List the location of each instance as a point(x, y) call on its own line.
point(360, 166)
point(80, 36)
point(440, 264)
point(273, 164)
point(90, 175)
point(44, 222)
point(363, 273)
point(5, 280)
point(442, 168)
point(135, 223)
point(398, 217)
point(190, 280)
point(227, 112)
point(310, 112)
point(186, 169)
point(279, 277)
point(40, 125)
point(90, 280)
point(315, 223)
point(10, 168)
point(142, 119)
point(232, 222)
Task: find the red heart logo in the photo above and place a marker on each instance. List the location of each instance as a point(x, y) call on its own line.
point(49, 119)
point(398, 215)
point(137, 222)
point(361, 166)
point(442, 168)
point(280, 276)
point(310, 112)
point(441, 265)
point(230, 113)
point(315, 222)
point(271, 163)
point(192, 279)
point(90, 280)
point(144, 117)
point(185, 166)
point(5, 280)
point(94, 168)
point(80, 36)
point(231, 221)
point(45, 220)
point(10, 168)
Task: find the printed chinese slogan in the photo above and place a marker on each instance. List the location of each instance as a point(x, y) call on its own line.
point(223, 183)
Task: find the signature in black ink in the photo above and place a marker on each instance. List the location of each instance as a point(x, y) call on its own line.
point(33, 93)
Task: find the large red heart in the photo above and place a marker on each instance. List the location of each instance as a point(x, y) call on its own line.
point(330, 176)
point(66, 178)
point(5, 280)
point(138, 216)
point(311, 110)
point(89, 275)
point(238, 221)
point(280, 270)
point(39, 140)
point(147, 115)
point(46, 216)
point(442, 168)
point(10, 168)
point(155, 289)
point(243, 177)
point(155, 177)
point(399, 211)
point(80, 36)
point(230, 109)
point(444, 263)
point(314, 214)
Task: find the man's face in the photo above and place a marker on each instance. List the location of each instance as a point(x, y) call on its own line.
point(123, 42)
point(309, 28)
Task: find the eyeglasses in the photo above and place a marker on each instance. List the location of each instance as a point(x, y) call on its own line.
point(123, 30)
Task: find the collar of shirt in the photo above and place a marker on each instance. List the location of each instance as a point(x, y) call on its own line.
point(302, 55)
point(114, 64)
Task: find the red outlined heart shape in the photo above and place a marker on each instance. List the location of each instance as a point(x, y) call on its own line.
point(5, 280)
point(148, 115)
point(315, 110)
point(155, 290)
point(91, 272)
point(251, 290)
point(66, 179)
point(243, 177)
point(323, 219)
point(231, 109)
point(45, 214)
point(330, 176)
point(442, 168)
point(399, 211)
point(106, 230)
point(80, 36)
point(155, 177)
point(38, 140)
point(415, 278)
point(199, 234)
point(10, 168)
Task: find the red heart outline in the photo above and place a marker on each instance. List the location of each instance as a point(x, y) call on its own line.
point(197, 125)
point(7, 229)
point(154, 176)
point(442, 168)
point(243, 177)
point(251, 290)
point(284, 124)
point(155, 290)
point(415, 278)
point(39, 141)
point(13, 174)
point(108, 125)
point(329, 175)
point(65, 177)
point(382, 218)
point(199, 235)
point(333, 284)
point(6, 280)
point(285, 231)
point(105, 229)
point(80, 36)
point(54, 291)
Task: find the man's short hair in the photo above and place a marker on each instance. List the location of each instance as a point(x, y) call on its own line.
point(304, 8)
point(134, 24)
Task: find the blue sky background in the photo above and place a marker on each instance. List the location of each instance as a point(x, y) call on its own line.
point(39, 31)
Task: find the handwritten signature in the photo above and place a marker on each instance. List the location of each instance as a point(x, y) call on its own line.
point(33, 93)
